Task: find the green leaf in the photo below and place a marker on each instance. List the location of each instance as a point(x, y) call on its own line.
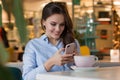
point(3, 54)
point(20, 20)
point(0, 16)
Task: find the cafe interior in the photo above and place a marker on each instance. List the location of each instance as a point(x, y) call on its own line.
point(96, 26)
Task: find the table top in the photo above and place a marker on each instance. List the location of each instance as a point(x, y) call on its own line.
point(104, 73)
point(107, 62)
point(100, 63)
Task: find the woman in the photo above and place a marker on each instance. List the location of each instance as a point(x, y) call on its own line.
point(46, 54)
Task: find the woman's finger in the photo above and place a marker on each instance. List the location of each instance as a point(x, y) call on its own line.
point(60, 50)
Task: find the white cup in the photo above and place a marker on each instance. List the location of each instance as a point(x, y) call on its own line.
point(85, 61)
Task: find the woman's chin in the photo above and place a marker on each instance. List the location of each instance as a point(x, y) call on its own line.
point(56, 37)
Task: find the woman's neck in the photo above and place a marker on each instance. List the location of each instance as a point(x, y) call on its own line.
point(52, 40)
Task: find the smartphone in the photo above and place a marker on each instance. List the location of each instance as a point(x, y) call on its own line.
point(70, 48)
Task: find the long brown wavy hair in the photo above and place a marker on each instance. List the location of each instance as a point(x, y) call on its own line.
point(60, 8)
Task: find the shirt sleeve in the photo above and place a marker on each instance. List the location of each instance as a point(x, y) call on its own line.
point(78, 46)
point(30, 67)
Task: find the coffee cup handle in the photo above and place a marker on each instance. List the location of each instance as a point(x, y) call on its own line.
point(96, 58)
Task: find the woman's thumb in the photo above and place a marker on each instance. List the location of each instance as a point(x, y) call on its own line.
point(60, 50)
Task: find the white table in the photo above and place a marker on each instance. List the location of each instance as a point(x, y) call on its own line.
point(106, 73)
point(102, 63)
point(107, 63)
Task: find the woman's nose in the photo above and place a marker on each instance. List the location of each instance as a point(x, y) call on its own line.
point(58, 28)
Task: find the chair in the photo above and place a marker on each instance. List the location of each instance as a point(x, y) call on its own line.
point(13, 56)
point(17, 74)
point(10, 73)
point(85, 51)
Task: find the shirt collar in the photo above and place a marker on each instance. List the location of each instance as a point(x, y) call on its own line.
point(45, 38)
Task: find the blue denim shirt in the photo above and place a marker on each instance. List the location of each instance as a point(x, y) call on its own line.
point(37, 52)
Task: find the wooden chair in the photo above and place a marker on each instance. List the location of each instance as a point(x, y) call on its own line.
point(13, 56)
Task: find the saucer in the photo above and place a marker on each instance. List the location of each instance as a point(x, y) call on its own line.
point(75, 68)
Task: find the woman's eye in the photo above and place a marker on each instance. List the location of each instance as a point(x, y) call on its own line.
point(53, 24)
point(62, 24)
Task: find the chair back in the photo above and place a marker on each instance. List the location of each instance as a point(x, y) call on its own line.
point(85, 51)
point(17, 74)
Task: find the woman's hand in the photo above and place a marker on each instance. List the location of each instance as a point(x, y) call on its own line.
point(76, 53)
point(60, 59)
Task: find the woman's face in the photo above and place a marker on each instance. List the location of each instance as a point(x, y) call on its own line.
point(54, 25)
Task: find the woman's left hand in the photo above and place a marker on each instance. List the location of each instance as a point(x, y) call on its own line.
point(67, 58)
point(76, 53)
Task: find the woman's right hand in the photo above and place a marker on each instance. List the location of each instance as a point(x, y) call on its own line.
point(58, 59)
point(61, 59)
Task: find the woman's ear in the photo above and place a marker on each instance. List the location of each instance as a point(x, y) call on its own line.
point(43, 24)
